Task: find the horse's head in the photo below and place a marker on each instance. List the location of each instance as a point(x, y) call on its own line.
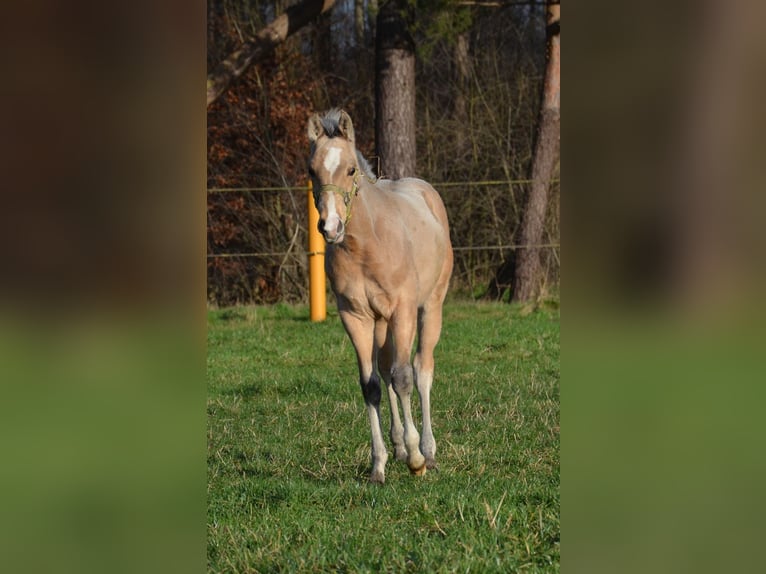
point(334, 171)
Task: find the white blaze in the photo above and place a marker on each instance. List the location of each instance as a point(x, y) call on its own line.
point(332, 222)
point(332, 160)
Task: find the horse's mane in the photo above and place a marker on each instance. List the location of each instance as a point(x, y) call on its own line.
point(366, 167)
point(331, 125)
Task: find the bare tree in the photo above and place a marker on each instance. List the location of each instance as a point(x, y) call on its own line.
point(257, 138)
point(546, 152)
point(462, 77)
point(359, 23)
point(395, 91)
point(292, 20)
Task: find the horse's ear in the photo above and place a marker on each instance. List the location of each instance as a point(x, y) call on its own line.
point(346, 126)
point(315, 128)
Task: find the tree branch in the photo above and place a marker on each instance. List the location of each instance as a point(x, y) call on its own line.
point(289, 22)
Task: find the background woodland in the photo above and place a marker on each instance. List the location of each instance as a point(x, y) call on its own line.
point(479, 74)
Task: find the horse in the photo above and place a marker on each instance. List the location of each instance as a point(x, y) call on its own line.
point(389, 260)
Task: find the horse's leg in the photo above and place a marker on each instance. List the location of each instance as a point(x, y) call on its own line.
point(384, 344)
point(429, 328)
point(361, 333)
point(403, 324)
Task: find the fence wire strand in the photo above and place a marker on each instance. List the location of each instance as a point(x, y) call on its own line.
point(298, 188)
point(471, 248)
point(445, 184)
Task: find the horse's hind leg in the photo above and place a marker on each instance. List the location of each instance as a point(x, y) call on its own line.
point(403, 325)
point(429, 329)
point(384, 345)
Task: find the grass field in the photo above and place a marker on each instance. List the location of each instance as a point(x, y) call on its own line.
point(288, 449)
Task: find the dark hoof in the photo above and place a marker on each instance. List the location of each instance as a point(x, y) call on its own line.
point(431, 464)
point(418, 471)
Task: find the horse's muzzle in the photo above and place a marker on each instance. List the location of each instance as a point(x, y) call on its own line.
point(332, 234)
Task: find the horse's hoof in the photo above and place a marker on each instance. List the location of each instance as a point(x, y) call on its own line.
point(431, 464)
point(418, 471)
point(400, 454)
point(377, 478)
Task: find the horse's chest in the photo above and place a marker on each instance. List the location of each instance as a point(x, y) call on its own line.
point(343, 271)
point(361, 286)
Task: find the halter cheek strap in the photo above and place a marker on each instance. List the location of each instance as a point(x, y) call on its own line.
point(348, 196)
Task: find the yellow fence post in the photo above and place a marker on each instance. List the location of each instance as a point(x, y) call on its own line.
point(317, 280)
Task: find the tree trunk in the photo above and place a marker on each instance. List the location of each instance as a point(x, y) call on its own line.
point(359, 23)
point(292, 20)
point(323, 44)
point(526, 283)
point(372, 13)
point(462, 77)
point(395, 92)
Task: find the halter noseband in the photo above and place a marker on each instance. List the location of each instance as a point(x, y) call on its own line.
point(348, 196)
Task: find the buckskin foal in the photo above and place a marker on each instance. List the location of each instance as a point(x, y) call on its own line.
point(389, 260)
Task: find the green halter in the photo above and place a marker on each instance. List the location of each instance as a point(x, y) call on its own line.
point(348, 196)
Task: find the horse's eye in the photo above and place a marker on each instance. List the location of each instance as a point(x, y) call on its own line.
point(311, 173)
point(351, 171)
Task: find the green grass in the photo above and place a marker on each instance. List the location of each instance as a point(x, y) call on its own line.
point(288, 449)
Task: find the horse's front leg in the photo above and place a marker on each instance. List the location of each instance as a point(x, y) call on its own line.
point(361, 330)
point(384, 346)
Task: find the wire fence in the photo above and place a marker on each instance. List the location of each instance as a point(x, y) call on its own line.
point(446, 184)
point(443, 185)
point(482, 220)
point(463, 248)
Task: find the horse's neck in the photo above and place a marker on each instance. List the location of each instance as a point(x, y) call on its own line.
point(363, 205)
point(363, 214)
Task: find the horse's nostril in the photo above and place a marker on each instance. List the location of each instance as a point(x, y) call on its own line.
point(331, 228)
